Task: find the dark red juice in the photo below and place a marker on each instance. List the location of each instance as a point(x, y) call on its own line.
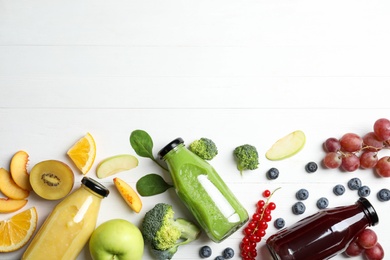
point(324, 234)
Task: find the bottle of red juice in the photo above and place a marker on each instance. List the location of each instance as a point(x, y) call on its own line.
point(324, 234)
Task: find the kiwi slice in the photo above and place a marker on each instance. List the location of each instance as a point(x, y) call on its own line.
point(51, 179)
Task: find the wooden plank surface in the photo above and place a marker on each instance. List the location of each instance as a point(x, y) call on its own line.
point(237, 72)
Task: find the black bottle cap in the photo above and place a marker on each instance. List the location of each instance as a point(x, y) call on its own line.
point(169, 147)
point(370, 211)
point(95, 186)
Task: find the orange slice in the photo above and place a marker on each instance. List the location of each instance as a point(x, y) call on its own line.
point(17, 231)
point(83, 153)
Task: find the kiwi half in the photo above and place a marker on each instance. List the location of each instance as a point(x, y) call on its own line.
point(51, 179)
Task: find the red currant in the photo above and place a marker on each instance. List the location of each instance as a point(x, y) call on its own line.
point(267, 218)
point(260, 204)
point(263, 224)
point(256, 228)
point(252, 224)
point(271, 206)
point(248, 231)
point(256, 217)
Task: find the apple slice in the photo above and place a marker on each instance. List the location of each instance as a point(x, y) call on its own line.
point(18, 169)
point(286, 146)
point(9, 205)
point(115, 164)
point(9, 188)
point(129, 195)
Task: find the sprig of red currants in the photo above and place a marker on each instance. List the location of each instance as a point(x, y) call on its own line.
point(366, 244)
point(352, 151)
point(256, 227)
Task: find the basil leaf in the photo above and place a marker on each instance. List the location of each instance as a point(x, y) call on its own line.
point(152, 184)
point(142, 143)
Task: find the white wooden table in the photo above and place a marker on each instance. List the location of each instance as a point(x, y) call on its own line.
point(235, 72)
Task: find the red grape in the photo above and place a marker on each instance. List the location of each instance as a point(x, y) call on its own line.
point(367, 238)
point(368, 159)
point(332, 160)
point(351, 142)
point(332, 145)
point(382, 129)
point(382, 167)
point(371, 142)
point(350, 162)
point(353, 249)
point(374, 253)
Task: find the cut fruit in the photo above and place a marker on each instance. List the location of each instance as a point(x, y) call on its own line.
point(9, 188)
point(9, 205)
point(51, 179)
point(17, 231)
point(115, 164)
point(83, 153)
point(287, 146)
point(18, 169)
point(128, 194)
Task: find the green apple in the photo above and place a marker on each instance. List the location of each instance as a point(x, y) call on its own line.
point(286, 146)
point(116, 239)
point(115, 164)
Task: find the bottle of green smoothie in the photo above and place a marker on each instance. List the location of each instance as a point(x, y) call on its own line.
point(203, 191)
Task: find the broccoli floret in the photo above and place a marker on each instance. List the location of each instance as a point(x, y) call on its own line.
point(204, 148)
point(247, 157)
point(165, 234)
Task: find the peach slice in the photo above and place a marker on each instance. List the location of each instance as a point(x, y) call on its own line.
point(18, 169)
point(9, 205)
point(129, 195)
point(9, 188)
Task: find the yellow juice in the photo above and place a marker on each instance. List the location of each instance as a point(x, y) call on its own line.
point(69, 226)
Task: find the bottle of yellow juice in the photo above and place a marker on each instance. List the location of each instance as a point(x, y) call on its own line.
point(68, 227)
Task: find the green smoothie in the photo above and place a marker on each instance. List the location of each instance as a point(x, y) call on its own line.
point(203, 191)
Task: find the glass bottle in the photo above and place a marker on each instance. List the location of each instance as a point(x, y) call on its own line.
point(68, 227)
point(203, 191)
point(324, 234)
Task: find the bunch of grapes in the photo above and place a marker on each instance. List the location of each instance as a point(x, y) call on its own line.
point(352, 151)
point(366, 244)
point(256, 228)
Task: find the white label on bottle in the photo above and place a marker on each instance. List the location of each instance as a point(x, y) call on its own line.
point(220, 201)
point(80, 214)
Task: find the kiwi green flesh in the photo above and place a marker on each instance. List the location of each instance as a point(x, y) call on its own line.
point(51, 179)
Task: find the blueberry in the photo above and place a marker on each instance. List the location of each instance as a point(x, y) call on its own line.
point(384, 195)
point(302, 194)
point(219, 258)
point(298, 208)
point(354, 183)
point(205, 251)
point(322, 203)
point(279, 223)
point(311, 167)
point(228, 253)
point(272, 173)
point(364, 191)
point(339, 189)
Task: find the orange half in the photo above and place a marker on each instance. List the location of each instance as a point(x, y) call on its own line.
point(17, 231)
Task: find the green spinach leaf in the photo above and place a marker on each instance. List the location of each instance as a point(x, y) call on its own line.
point(142, 144)
point(152, 184)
